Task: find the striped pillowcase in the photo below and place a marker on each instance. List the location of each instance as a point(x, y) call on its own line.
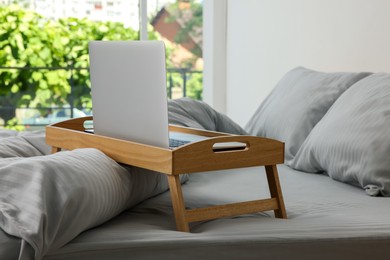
point(17, 146)
point(352, 141)
point(48, 200)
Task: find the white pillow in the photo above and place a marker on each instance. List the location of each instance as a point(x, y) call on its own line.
point(297, 103)
point(352, 142)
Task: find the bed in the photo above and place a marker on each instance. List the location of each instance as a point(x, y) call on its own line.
point(335, 183)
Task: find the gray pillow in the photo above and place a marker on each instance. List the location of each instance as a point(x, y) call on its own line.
point(49, 200)
point(23, 144)
point(7, 133)
point(17, 146)
point(352, 142)
point(298, 102)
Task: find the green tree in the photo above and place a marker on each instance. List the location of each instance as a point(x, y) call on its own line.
point(195, 86)
point(23, 43)
point(28, 40)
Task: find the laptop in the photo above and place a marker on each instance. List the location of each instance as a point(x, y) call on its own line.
point(129, 93)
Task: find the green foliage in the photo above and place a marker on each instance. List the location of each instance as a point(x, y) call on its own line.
point(29, 40)
point(17, 29)
point(14, 125)
point(195, 86)
point(194, 83)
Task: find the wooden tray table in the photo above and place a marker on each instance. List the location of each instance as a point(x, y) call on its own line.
point(194, 157)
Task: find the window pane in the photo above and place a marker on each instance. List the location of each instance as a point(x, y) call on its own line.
point(44, 56)
point(179, 25)
point(44, 74)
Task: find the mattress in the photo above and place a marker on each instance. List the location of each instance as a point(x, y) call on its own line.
point(326, 219)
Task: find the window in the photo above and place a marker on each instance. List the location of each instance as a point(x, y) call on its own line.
point(44, 61)
point(179, 25)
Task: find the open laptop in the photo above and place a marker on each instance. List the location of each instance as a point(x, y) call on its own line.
point(129, 94)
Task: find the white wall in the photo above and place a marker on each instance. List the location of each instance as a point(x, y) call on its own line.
point(214, 53)
point(266, 38)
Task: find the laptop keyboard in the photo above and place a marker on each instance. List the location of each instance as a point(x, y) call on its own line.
point(176, 143)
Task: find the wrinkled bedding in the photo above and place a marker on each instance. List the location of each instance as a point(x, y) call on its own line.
point(82, 205)
point(47, 200)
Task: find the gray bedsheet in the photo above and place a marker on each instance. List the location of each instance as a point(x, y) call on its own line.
point(326, 220)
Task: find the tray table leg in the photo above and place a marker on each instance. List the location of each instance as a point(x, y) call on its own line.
point(275, 190)
point(178, 203)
